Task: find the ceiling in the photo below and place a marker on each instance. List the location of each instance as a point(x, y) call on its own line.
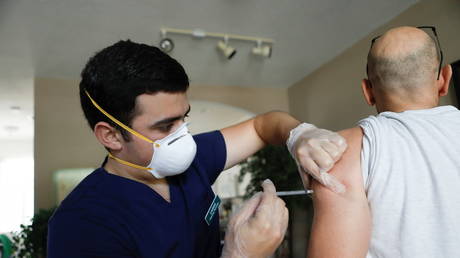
point(54, 38)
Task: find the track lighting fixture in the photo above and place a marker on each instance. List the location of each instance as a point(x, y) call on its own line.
point(228, 51)
point(263, 45)
point(262, 50)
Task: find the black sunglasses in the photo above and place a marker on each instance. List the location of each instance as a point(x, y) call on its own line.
point(433, 29)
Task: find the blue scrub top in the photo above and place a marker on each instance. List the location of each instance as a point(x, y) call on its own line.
point(111, 216)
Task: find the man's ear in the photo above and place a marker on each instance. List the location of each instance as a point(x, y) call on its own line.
point(444, 80)
point(366, 86)
point(108, 136)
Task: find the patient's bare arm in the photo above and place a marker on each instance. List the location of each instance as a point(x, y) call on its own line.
point(342, 222)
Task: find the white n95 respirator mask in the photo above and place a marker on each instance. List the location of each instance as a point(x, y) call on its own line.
point(171, 156)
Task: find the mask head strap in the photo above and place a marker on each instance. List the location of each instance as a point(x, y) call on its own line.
point(124, 162)
point(127, 128)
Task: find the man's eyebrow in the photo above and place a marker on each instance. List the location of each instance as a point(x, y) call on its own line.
point(171, 119)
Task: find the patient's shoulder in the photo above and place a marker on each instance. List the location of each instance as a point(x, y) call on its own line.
point(348, 168)
point(350, 163)
point(352, 135)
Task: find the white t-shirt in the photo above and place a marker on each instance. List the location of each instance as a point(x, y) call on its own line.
point(411, 169)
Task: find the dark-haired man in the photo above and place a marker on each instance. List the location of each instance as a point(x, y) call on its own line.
point(402, 166)
point(152, 196)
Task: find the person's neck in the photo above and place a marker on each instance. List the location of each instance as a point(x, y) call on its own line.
point(402, 108)
point(397, 105)
point(160, 185)
point(135, 174)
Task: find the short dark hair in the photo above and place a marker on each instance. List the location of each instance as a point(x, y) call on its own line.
point(116, 75)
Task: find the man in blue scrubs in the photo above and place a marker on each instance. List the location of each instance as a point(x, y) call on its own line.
point(152, 195)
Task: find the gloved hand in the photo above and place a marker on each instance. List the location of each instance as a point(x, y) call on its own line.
point(258, 228)
point(316, 151)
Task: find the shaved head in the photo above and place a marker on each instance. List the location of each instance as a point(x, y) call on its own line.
point(403, 60)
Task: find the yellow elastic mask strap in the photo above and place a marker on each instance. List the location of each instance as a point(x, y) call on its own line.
point(118, 122)
point(128, 163)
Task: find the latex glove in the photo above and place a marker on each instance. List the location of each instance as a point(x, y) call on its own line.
point(258, 228)
point(316, 151)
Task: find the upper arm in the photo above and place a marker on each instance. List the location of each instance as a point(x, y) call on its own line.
point(342, 222)
point(241, 140)
point(246, 138)
point(211, 153)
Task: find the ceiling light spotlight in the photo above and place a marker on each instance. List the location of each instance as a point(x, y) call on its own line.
point(262, 50)
point(166, 44)
point(228, 51)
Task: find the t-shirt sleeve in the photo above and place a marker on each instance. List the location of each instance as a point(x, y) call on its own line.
point(369, 152)
point(211, 153)
point(72, 235)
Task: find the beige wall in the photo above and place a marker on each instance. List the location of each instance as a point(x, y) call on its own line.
point(331, 97)
point(255, 100)
point(63, 140)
